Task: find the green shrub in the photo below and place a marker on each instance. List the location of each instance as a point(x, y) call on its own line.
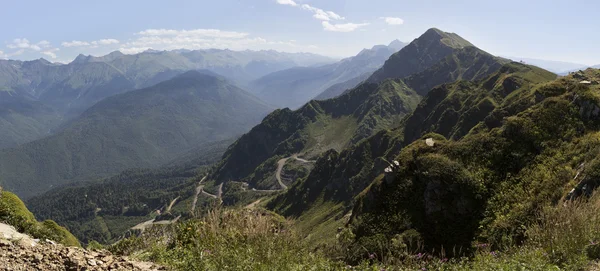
point(592, 251)
point(14, 212)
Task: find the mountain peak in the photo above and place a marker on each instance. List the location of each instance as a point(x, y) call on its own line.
point(81, 58)
point(396, 45)
point(116, 54)
point(451, 40)
point(422, 53)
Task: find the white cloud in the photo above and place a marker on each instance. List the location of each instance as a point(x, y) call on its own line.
point(170, 39)
point(321, 14)
point(206, 33)
point(92, 44)
point(133, 50)
point(348, 27)
point(44, 44)
point(393, 20)
point(51, 52)
point(25, 44)
point(287, 2)
point(106, 42)
point(75, 43)
point(19, 52)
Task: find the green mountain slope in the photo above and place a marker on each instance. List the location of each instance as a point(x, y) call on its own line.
point(339, 88)
point(105, 210)
point(452, 110)
point(70, 89)
point(489, 185)
point(14, 213)
point(341, 122)
point(23, 120)
point(424, 52)
point(294, 87)
point(140, 128)
point(314, 128)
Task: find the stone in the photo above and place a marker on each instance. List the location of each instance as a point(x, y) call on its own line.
point(38, 257)
point(5, 243)
point(430, 142)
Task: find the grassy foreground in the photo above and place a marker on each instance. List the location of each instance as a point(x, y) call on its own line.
point(564, 239)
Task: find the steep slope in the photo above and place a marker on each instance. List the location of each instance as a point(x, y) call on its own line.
point(294, 87)
point(425, 51)
point(13, 212)
point(339, 88)
point(451, 110)
point(314, 128)
point(23, 120)
point(489, 185)
point(341, 122)
point(140, 128)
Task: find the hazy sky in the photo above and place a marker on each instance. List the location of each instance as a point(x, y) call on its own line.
point(58, 30)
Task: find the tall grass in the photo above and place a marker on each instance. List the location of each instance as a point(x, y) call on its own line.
point(238, 239)
point(565, 238)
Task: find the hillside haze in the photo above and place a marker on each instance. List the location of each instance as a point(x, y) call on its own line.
point(294, 87)
point(141, 128)
point(43, 95)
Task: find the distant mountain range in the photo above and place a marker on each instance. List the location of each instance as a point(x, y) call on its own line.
point(141, 128)
point(558, 67)
point(296, 86)
point(37, 95)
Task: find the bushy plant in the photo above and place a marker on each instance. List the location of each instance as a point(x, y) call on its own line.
point(14, 212)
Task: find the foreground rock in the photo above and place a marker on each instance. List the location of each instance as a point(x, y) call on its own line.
point(17, 256)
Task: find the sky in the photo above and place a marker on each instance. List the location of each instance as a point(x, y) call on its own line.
point(59, 30)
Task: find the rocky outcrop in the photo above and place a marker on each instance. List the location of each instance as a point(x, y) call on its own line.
point(48, 256)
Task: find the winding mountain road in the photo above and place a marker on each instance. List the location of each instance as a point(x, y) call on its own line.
point(199, 190)
point(171, 205)
point(280, 165)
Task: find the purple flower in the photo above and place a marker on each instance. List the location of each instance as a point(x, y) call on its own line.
point(420, 255)
point(494, 253)
point(372, 256)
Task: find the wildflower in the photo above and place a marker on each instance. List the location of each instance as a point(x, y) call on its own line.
point(372, 256)
point(420, 255)
point(494, 253)
point(396, 163)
